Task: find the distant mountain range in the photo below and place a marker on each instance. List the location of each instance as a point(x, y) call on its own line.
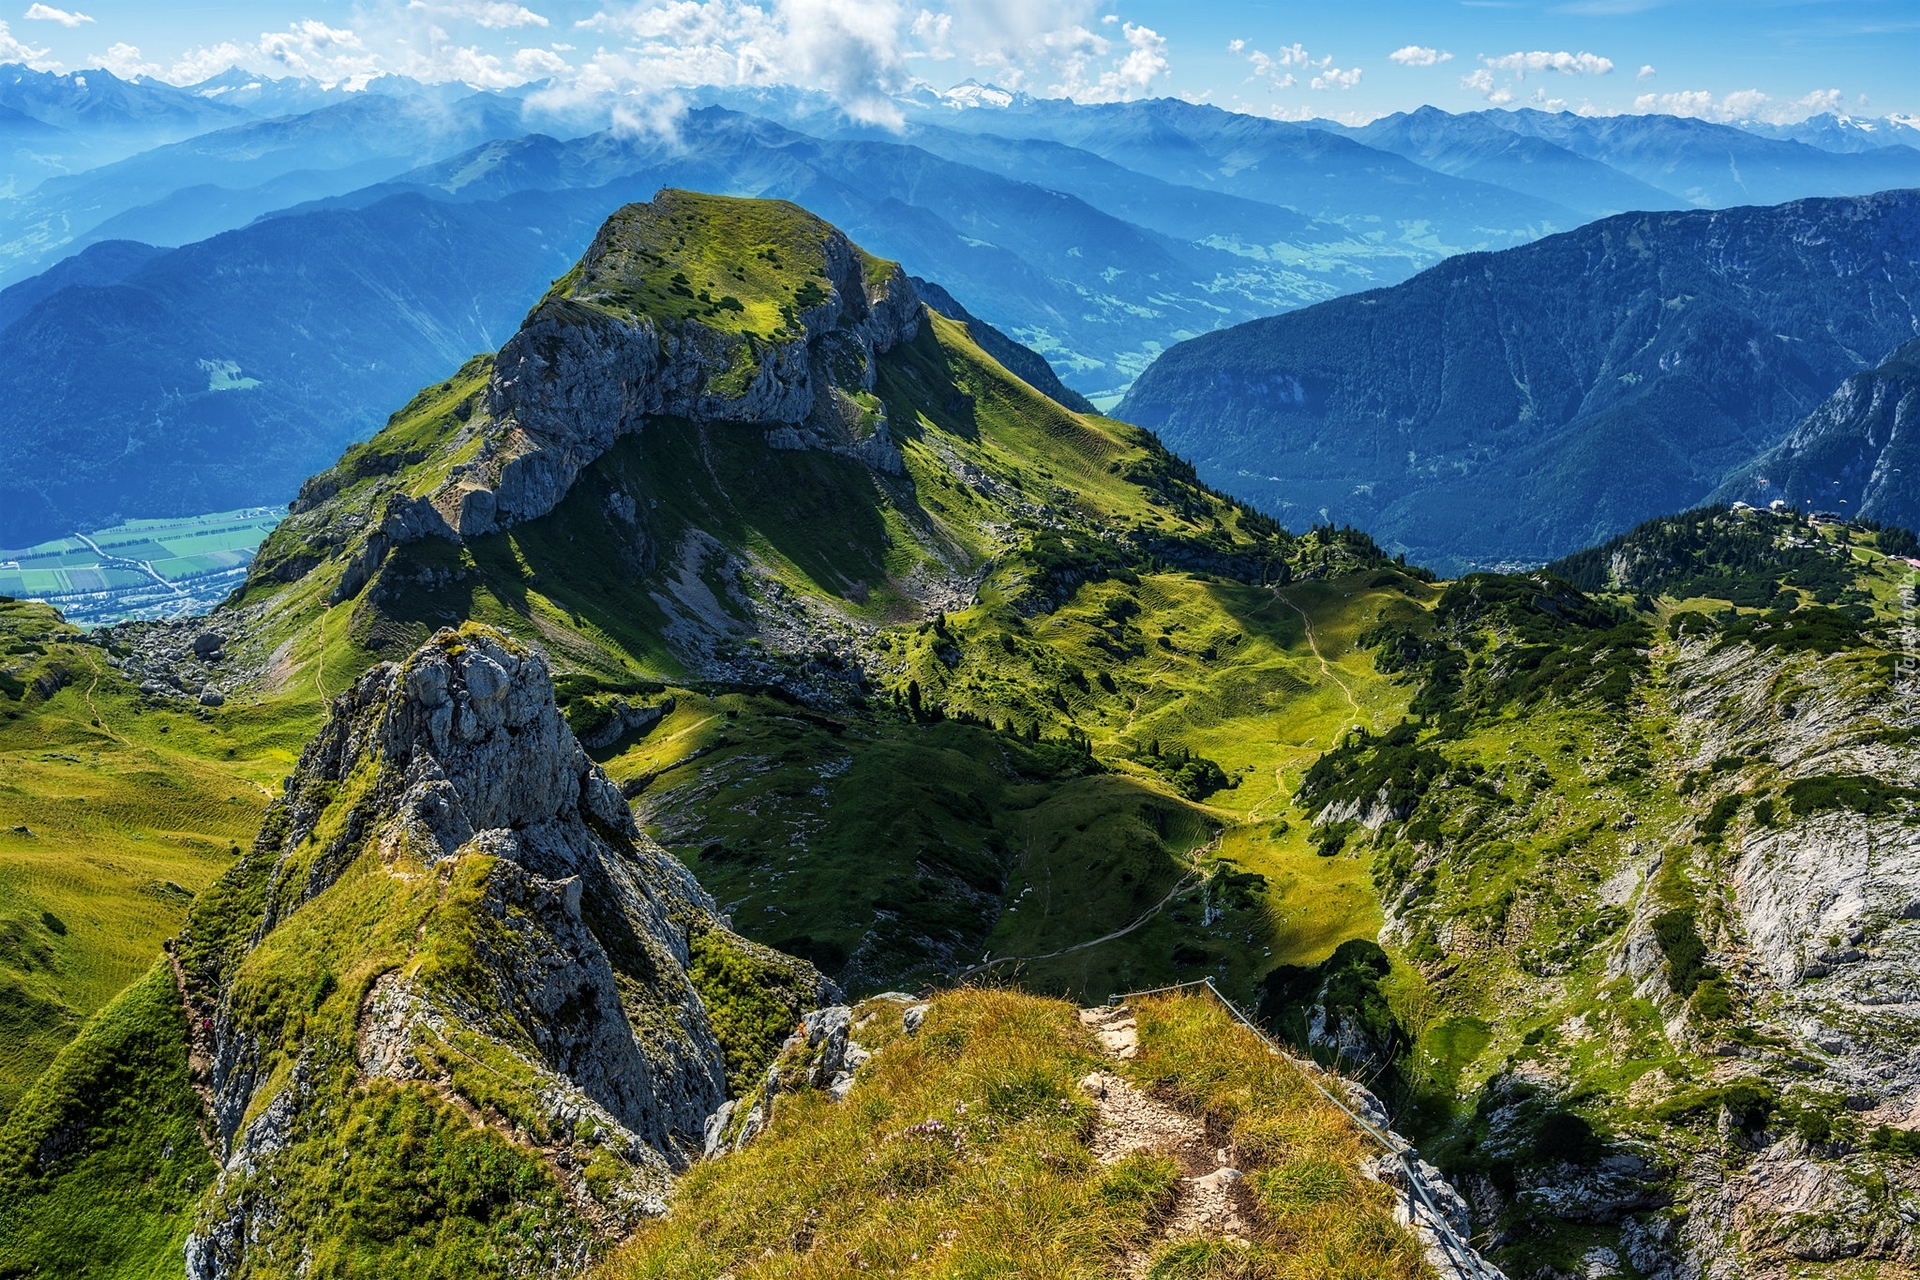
point(1097, 235)
point(147, 381)
point(180, 192)
point(1515, 406)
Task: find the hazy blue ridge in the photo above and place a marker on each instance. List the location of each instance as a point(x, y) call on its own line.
point(1512, 407)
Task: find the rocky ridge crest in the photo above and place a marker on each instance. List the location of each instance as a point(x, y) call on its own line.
point(524, 921)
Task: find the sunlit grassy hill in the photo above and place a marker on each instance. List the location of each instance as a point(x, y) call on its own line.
point(971, 1147)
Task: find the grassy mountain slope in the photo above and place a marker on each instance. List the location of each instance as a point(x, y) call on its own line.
point(827, 585)
point(107, 1152)
point(1590, 845)
point(115, 809)
point(965, 1150)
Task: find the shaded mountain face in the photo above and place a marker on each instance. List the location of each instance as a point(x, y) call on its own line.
point(1516, 406)
point(96, 100)
point(1307, 170)
point(1856, 454)
point(1478, 146)
point(1842, 133)
point(98, 265)
point(209, 377)
point(1612, 164)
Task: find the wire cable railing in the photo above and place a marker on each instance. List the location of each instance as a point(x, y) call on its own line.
point(1465, 1259)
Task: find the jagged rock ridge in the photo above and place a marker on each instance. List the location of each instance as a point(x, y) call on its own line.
point(446, 845)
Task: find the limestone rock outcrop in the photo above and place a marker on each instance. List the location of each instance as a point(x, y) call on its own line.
point(577, 377)
point(446, 834)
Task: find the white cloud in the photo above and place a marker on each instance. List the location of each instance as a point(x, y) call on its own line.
point(1083, 79)
point(850, 48)
point(12, 50)
point(656, 116)
point(1740, 105)
point(491, 14)
point(540, 63)
point(1647, 72)
point(332, 55)
point(1273, 67)
point(47, 13)
point(1828, 101)
point(1414, 55)
point(1569, 64)
point(1519, 65)
point(124, 60)
point(208, 61)
point(857, 51)
point(935, 33)
point(466, 63)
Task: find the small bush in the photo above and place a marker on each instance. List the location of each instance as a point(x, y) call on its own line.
point(1712, 1001)
point(1714, 825)
point(1867, 796)
point(1564, 1136)
point(1685, 951)
point(1897, 1142)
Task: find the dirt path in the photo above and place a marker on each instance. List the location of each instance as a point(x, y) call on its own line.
point(1326, 668)
point(199, 1055)
point(99, 719)
point(320, 657)
point(1210, 1200)
point(1186, 882)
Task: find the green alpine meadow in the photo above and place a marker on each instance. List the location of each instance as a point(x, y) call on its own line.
point(738, 783)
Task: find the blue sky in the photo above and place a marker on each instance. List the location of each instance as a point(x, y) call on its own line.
point(1758, 59)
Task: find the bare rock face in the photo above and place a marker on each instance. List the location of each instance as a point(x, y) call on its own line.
point(524, 923)
point(1822, 941)
point(577, 377)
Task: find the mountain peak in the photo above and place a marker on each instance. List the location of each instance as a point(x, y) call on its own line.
point(704, 307)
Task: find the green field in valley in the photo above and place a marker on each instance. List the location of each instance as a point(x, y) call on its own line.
point(141, 568)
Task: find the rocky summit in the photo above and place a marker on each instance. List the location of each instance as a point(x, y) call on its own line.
point(778, 325)
point(501, 948)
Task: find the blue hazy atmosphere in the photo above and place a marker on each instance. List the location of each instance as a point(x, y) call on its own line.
point(233, 238)
point(1764, 59)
